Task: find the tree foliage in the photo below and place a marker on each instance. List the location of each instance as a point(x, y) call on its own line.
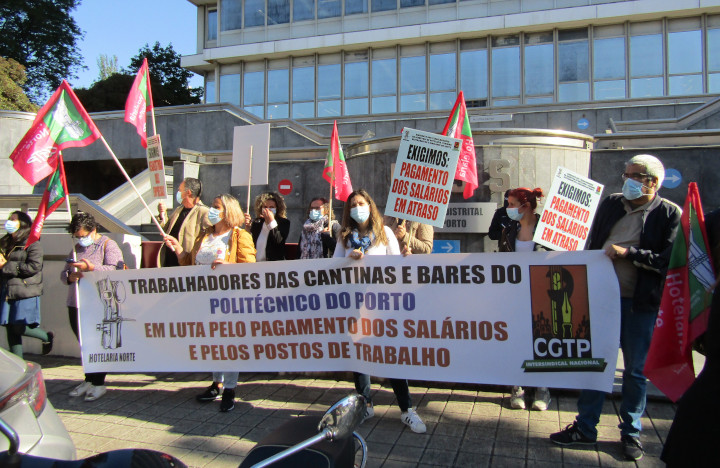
point(165, 71)
point(106, 95)
point(107, 65)
point(43, 37)
point(12, 78)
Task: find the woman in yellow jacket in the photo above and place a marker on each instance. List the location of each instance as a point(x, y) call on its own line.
point(223, 242)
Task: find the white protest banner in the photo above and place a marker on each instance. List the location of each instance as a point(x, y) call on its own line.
point(502, 318)
point(423, 177)
point(568, 212)
point(250, 155)
point(156, 165)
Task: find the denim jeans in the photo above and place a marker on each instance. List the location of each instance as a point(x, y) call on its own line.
point(228, 379)
point(399, 386)
point(635, 333)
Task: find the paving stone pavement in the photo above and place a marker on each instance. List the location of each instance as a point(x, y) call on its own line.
point(468, 425)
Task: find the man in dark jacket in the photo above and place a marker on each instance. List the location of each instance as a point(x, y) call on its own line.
point(636, 229)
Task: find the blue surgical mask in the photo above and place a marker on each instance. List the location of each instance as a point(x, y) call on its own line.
point(315, 215)
point(214, 216)
point(632, 189)
point(86, 241)
point(273, 211)
point(514, 214)
point(11, 226)
point(360, 213)
point(178, 197)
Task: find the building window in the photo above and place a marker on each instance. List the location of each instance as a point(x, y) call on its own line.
point(384, 82)
point(356, 6)
point(646, 60)
point(303, 88)
point(506, 70)
point(329, 87)
point(713, 42)
point(303, 10)
point(411, 3)
point(474, 71)
point(356, 87)
point(329, 8)
point(412, 83)
point(212, 24)
point(539, 69)
point(278, 12)
point(254, 13)
point(230, 89)
point(254, 89)
point(685, 54)
point(209, 90)
point(608, 66)
point(230, 15)
point(384, 5)
point(443, 82)
point(573, 66)
point(278, 94)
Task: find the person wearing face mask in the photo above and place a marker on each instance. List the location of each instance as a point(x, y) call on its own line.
point(185, 222)
point(363, 233)
point(223, 242)
point(270, 228)
point(517, 236)
point(92, 252)
point(21, 285)
point(636, 229)
point(319, 233)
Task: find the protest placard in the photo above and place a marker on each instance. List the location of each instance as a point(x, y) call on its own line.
point(423, 177)
point(568, 212)
point(156, 165)
point(495, 318)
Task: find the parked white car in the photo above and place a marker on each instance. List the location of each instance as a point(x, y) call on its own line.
point(24, 407)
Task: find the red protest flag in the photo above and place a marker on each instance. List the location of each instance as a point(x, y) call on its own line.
point(61, 123)
point(336, 171)
point(458, 126)
point(139, 101)
point(685, 303)
point(54, 195)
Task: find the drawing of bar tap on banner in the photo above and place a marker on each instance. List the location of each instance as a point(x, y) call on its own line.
point(423, 177)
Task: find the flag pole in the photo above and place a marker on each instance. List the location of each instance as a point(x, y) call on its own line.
point(152, 113)
point(137, 192)
point(249, 179)
point(330, 202)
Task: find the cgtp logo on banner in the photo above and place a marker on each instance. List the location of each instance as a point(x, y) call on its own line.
point(423, 177)
point(568, 212)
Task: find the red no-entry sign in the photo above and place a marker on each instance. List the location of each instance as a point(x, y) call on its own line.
point(285, 187)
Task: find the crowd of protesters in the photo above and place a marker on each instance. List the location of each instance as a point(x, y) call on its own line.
point(635, 229)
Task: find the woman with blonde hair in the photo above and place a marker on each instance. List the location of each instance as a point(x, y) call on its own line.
point(363, 233)
point(223, 242)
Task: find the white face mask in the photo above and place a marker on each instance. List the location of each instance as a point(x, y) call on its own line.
point(11, 226)
point(179, 197)
point(514, 214)
point(315, 215)
point(86, 241)
point(360, 213)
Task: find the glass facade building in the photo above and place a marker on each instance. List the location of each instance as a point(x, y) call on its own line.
point(387, 72)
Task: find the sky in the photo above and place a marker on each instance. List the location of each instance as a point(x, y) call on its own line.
point(123, 27)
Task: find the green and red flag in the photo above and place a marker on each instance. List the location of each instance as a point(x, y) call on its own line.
point(61, 123)
point(685, 303)
point(54, 195)
point(458, 126)
point(139, 101)
point(336, 171)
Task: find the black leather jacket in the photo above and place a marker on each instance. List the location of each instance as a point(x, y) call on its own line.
point(22, 274)
point(651, 256)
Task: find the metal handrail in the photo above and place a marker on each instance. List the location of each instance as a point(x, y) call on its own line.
point(78, 202)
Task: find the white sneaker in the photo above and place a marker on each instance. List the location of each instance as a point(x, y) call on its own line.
point(412, 420)
point(80, 389)
point(95, 392)
point(517, 398)
point(369, 412)
point(542, 399)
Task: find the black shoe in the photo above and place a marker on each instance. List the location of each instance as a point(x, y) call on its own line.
point(47, 345)
point(228, 400)
point(210, 393)
point(571, 435)
point(632, 448)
